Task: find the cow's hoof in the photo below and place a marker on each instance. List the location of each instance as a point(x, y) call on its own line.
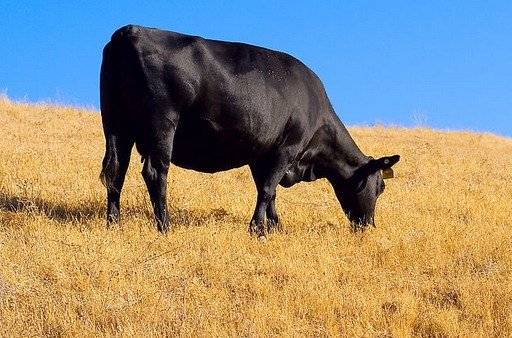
point(357, 228)
point(256, 229)
point(273, 226)
point(163, 228)
point(262, 238)
point(114, 226)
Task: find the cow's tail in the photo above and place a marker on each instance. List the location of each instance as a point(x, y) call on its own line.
point(110, 171)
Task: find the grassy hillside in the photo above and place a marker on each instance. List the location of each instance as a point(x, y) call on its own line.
point(438, 264)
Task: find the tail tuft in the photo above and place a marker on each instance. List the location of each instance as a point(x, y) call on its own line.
point(110, 171)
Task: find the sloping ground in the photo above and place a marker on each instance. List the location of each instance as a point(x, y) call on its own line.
point(438, 264)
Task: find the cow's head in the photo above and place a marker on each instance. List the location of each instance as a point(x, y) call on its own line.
point(358, 194)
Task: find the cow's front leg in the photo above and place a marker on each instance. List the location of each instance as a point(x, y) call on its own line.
point(257, 225)
point(272, 219)
point(267, 173)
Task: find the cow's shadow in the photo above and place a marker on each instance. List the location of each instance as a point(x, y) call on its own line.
point(57, 211)
point(89, 210)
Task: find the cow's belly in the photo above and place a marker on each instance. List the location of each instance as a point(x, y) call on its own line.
point(205, 147)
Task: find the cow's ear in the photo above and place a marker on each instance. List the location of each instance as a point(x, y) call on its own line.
point(383, 163)
point(387, 162)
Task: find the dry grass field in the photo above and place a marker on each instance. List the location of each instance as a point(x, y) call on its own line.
point(438, 264)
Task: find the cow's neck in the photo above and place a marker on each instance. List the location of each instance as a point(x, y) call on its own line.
point(341, 155)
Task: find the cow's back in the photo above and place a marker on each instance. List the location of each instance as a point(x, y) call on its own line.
point(235, 101)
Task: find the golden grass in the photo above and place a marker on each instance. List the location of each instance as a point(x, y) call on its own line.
point(439, 263)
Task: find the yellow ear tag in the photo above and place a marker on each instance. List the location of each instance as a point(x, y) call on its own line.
point(388, 173)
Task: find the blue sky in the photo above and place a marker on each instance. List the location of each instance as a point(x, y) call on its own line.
point(444, 64)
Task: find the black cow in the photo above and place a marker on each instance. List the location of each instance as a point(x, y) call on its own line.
point(212, 106)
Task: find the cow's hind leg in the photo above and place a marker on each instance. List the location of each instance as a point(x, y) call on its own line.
point(155, 171)
point(156, 155)
point(115, 165)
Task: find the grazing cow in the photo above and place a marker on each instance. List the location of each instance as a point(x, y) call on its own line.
point(211, 106)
